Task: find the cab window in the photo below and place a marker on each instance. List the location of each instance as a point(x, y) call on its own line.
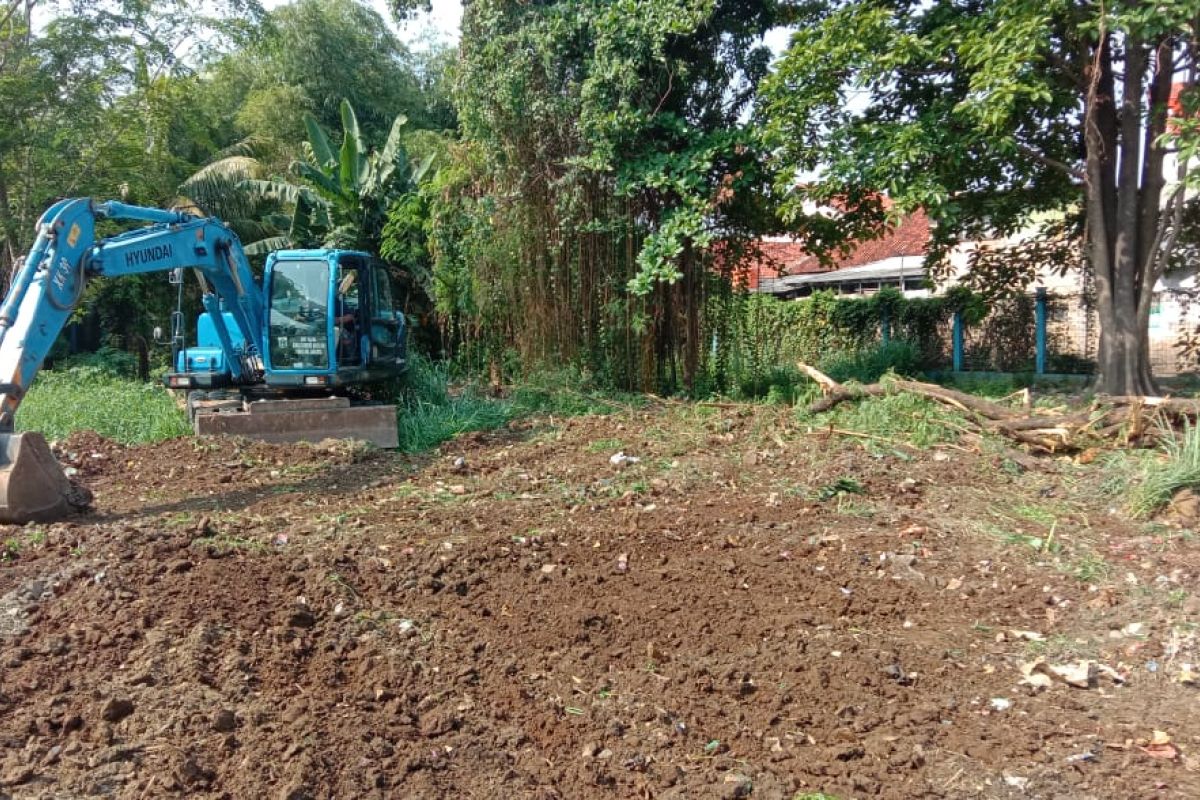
point(299, 311)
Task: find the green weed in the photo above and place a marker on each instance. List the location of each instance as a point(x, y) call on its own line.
point(1161, 479)
point(1034, 513)
point(223, 543)
point(839, 488)
point(61, 402)
point(901, 417)
point(1090, 568)
point(10, 550)
point(433, 410)
point(870, 364)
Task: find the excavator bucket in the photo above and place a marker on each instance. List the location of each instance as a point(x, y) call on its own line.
point(33, 487)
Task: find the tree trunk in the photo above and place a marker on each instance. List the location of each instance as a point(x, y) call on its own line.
point(11, 245)
point(1123, 213)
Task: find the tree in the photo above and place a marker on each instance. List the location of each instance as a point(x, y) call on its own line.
point(308, 57)
point(989, 111)
point(98, 99)
point(338, 198)
point(605, 153)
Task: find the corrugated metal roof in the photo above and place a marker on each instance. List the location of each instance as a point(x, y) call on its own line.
point(892, 269)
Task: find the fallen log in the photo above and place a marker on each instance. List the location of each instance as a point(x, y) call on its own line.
point(1120, 419)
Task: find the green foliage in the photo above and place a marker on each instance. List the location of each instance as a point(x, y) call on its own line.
point(346, 192)
point(1162, 478)
point(963, 107)
point(433, 409)
point(92, 398)
point(900, 418)
point(764, 337)
point(605, 146)
point(871, 364)
point(992, 116)
point(107, 361)
point(309, 56)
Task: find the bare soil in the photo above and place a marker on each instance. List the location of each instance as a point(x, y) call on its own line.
point(750, 610)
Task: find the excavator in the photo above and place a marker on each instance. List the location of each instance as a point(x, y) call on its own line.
point(284, 359)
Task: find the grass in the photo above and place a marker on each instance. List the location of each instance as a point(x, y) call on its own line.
point(903, 418)
point(87, 398)
point(432, 410)
point(223, 543)
point(1161, 479)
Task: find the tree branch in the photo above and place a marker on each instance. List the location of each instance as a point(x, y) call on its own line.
point(1036, 155)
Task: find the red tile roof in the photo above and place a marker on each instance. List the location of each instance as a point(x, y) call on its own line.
point(780, 258)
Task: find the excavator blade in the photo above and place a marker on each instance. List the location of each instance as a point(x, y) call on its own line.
point(33, 487)
point(311, 420)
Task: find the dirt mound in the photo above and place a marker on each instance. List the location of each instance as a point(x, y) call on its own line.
point(743, 613)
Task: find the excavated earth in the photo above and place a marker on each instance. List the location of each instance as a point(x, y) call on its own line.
point(752, 609)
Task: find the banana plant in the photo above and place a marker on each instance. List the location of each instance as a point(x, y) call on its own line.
point(343, 195)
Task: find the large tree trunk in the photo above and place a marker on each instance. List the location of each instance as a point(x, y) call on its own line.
point(1125, 219)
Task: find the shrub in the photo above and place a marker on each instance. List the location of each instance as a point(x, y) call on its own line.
point(107, 360)
point(871, 364)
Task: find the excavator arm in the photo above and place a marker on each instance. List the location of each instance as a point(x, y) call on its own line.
point(47, 288)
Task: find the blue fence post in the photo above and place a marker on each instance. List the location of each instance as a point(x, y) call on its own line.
point(958, 341)
point(1040, 323)
point(885, 326)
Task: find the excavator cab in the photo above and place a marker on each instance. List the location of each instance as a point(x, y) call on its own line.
point(331, 321)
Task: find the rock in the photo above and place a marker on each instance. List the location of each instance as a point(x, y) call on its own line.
point(1185, 505)
point(180, 565)
point(224, 721)
point(16, 776)
point(736, 786)
point(301, 618)
point(604, 754)
point(294, 791)
point(433, 725)
point(547, 569)
point(116, 709)
point(192, 773)
point(589, 750)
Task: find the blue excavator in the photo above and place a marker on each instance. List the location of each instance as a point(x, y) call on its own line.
point(282, 359)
